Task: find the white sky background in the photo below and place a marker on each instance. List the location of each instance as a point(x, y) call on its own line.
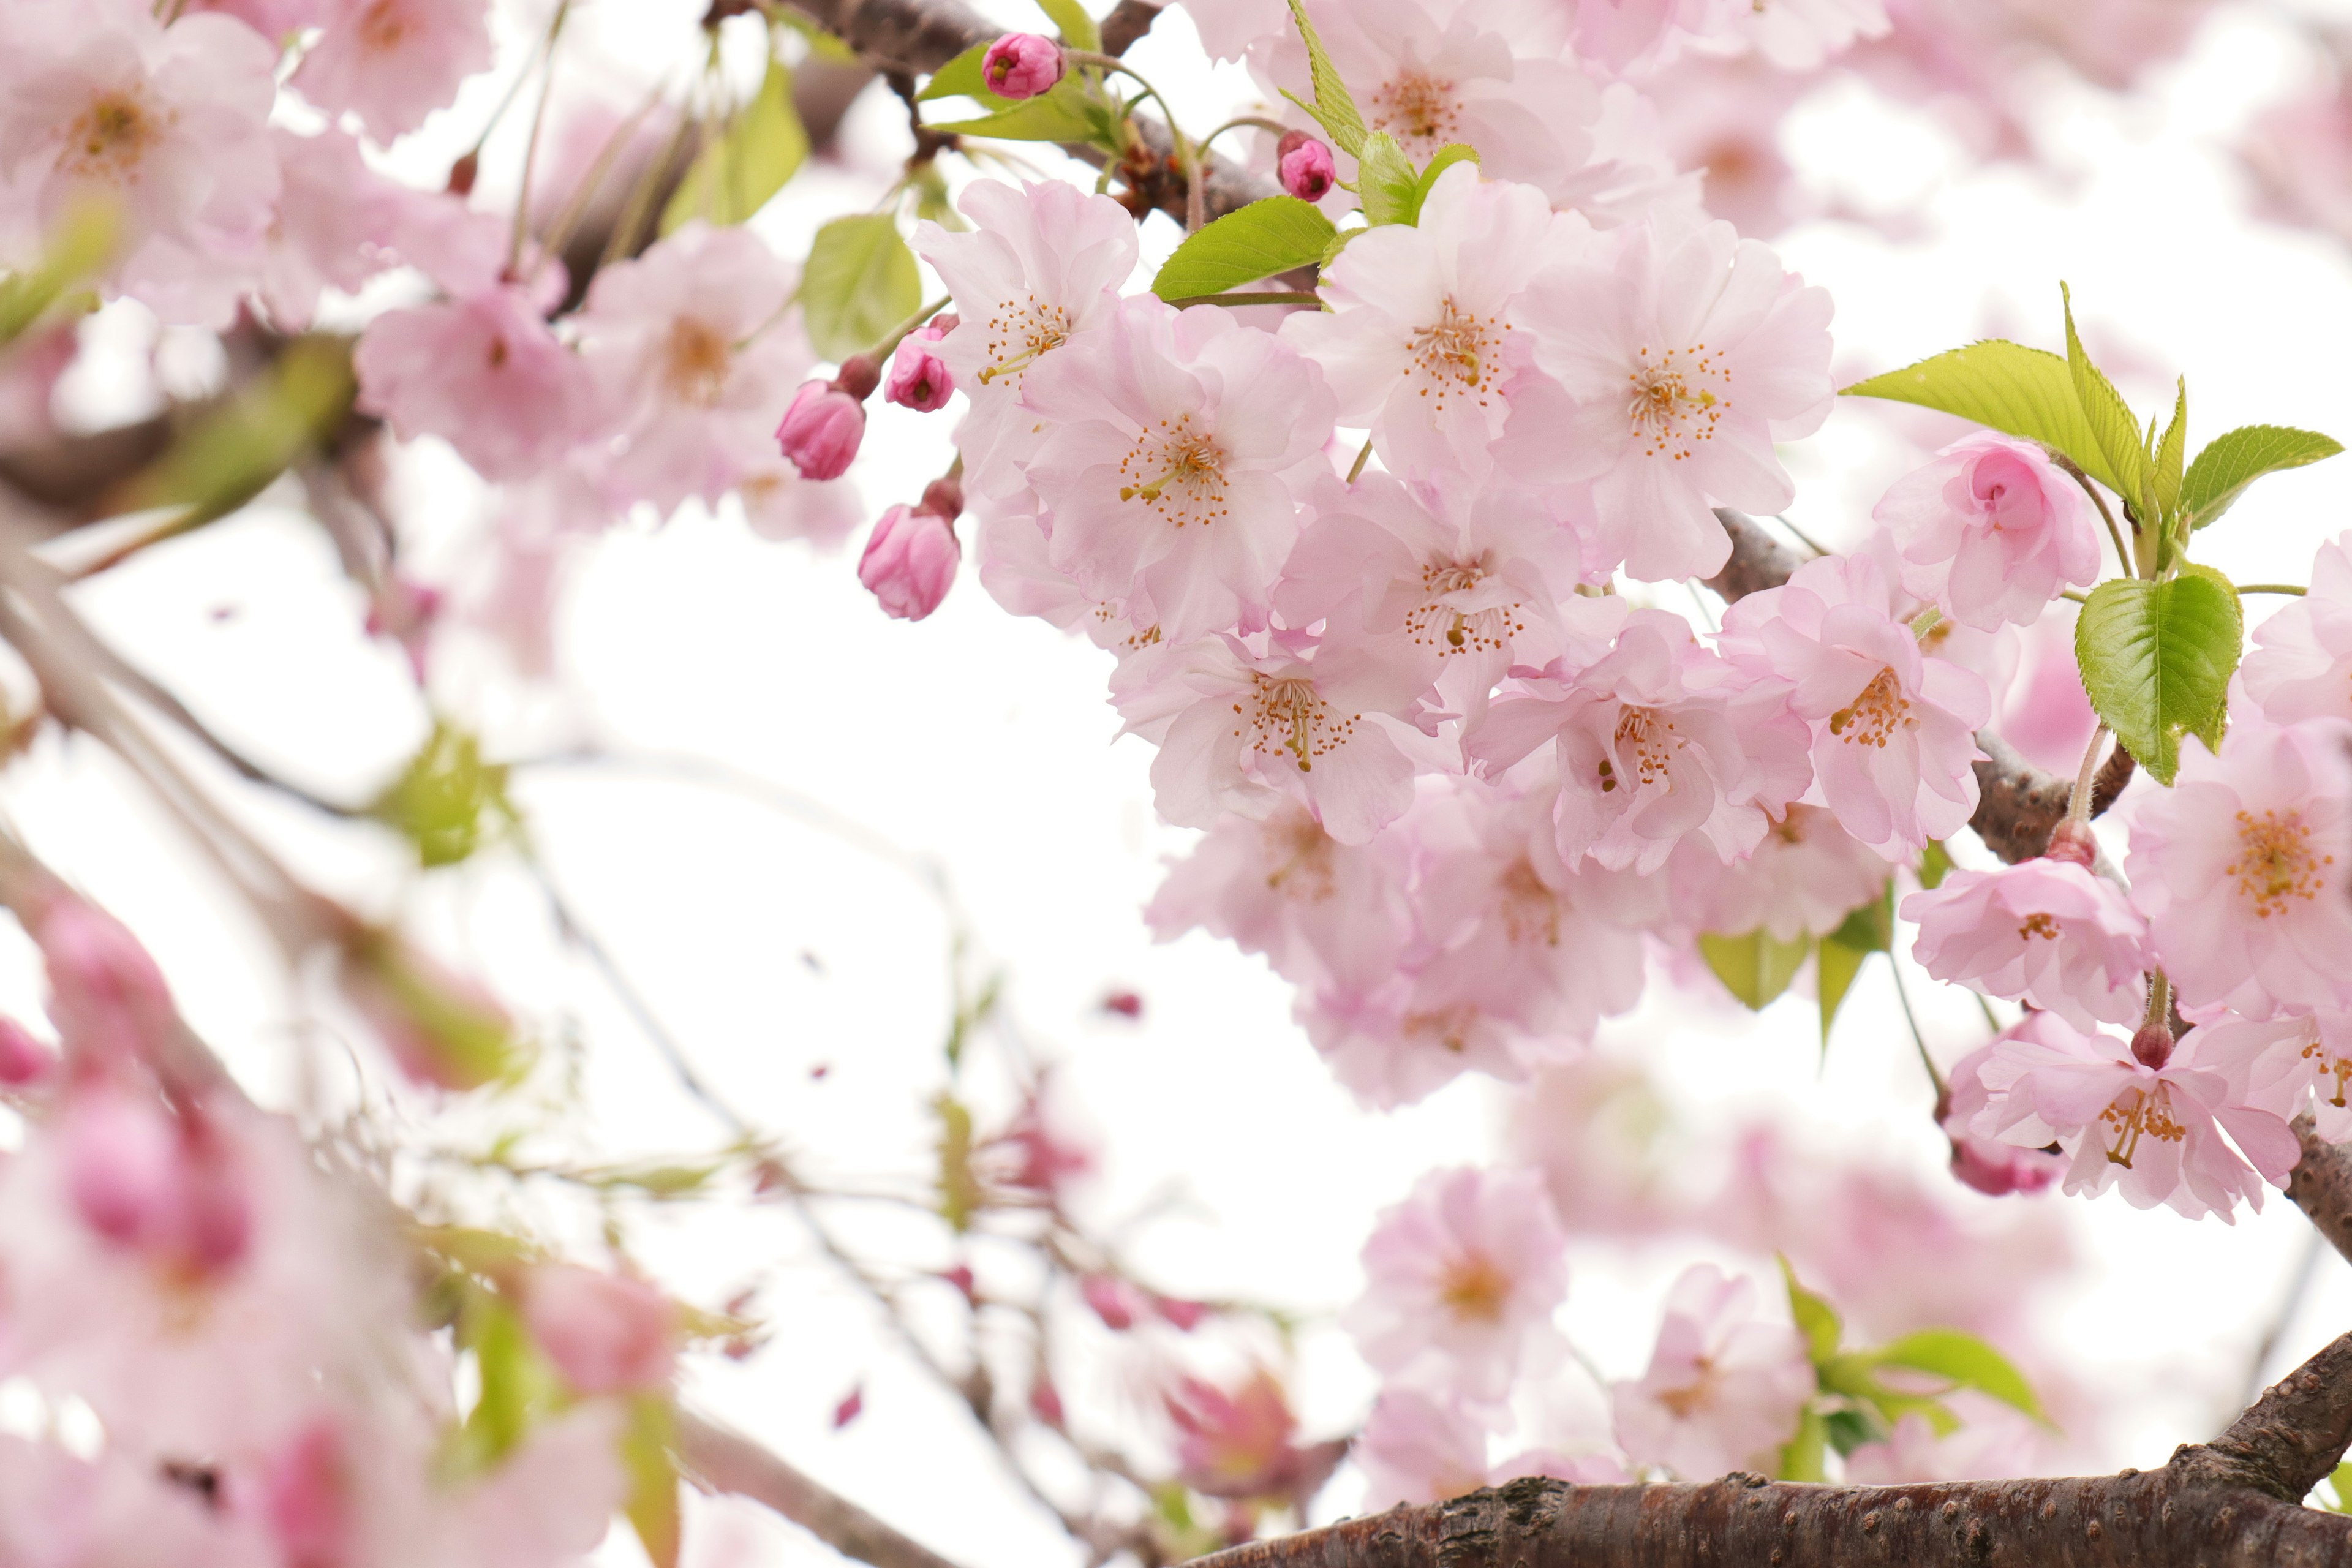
point(981, 743)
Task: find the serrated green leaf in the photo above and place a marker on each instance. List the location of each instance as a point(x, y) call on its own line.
point(648, 1456)
point(1816, 1319)
point(859, 284)
point(2157, 657)
point(1755, 966)
point(1386, 186)
point(2232, 462)
point(1078, 30)
point(1334, 108)
point(1964, 1362)
point(2112, 424)
point(1838, 965)
point(2169, 450)
point(1802, 1456)
point(1339, 240)
point(1064, 113)
point(2007, 387)
point(1935, 864)
point(1269, 236)
point(738, 170)
point(962, 78)
point(1444, 158)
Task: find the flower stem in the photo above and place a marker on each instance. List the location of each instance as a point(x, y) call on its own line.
point(2078, 803)
point(2159, 999)
point(2272, 588)
point(531, 145)
point(1356, 469)
point(1903, 994)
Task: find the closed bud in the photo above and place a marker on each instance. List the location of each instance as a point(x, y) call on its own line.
point(822, 429)
point(22, 1059)
point(911, 563)
point(2152, 1047)
point(2073, 841)
point(1304, 166)
point(1021, 65)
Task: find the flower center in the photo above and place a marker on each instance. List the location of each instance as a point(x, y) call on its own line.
point(1450, 356)
point(108, 140)
point(1448, 1028)
point(695, 363)
point(1434, 623)
point(1421, 111)
point(1876, 714)
point(1670, 404)
point(1475, 1289)
point(2276, 861)
point(1302, 853)
point(1681, 1402)
point(2138, 1111)
point(1530, 909)
point(1018, 332)
point(1645, 743)
point(2039, 925)
point(1284, 714)
point(1178, 472)
point(384, 26)
point(2330, 1064)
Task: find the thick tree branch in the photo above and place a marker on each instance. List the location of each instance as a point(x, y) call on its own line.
point(720, 1459)
point(2321, 1184)
point(2232, 1504)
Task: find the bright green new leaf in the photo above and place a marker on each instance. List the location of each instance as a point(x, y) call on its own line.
point(648, 1456)
point(2339, 1481)
point(2013, 389)
point(960, 1189)
point(79, 246)
point(740, 168)
point(1267, 237)
point(1386, 185)
point(1853, 1426)
point(438, 802)
point(1066, 114)
point(1966, 1361)
point(859, 284)
point(1838, 965)
point(961, 77)
point(1339, 239)
point(1801, 1457)
point(2157, 657)
point(237, 449)
point(1078, 30)
point(1816, 1319)
point(2170, 450)
point(2112, 424)
point(1754, 967)
point(1334, 108)
point(2231, 462)
point(517, 1383)
point(1444, 158)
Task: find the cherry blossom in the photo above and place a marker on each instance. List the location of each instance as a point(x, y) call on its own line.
point(1236, 1442)
point(333, 228)
point(2301, 663)
point(910, 562)
point(2045, 931)
point(1423, 333)
point(1673, 357)
point(606, 1333)
point(1725, 1385)
point(393, 62)
point(1988, 1164)
point(2285, 1065)
point(2240, 869)
point(482, 372)
point(2156, 1131)
point(1044, 264)
point(1178, 442)
point(1802, 879)
point(1417, 1447)
point(1894, 730)
point(1991, 532)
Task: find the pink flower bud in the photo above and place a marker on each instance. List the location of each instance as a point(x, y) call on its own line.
point(121, 1160)
point(306, 1496)
point(106, 997)
point(2072, 840)
point(22, 1059)
point(1304, 165)
point(1997, 1169)
point(1021, 65)
point(850, 1408)
point(605, 1334)
point(1114, 1301)
point(918, 377)
point(1180, 1314)
point(2152, 1047)
point(911, 563)
point(821, 430)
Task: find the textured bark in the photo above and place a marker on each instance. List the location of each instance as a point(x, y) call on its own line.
point(720, 1459)
point(1758, 559)
point(2321, 1185)
point(1129, 20)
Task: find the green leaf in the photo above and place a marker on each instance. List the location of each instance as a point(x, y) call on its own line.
point(648, 1455)
point(2011, 388)
point(1935, 865)
point(1801, 1456)
point(1078, 30)
point(237, 449)
point(80, 245)
point(1271, 235)
point(1333, 109)
point(2339, 1481)
point(1853, 1426)
point(1838, 964)
point(1755, 967)
point(518, 1385)
point(2231, 462)
point(959, 1190)
point(2112, 424)
point(1064, 113)
point(438, 802)
point(738, 170)
point(1444, 158)
point(962, 78)
point(1386, 185)
point(1816, 1319)
point(442, 1028)
point(2164, 475)
point(1966, 1361)
point(2156, 659)
point(860, 282)
point(1870, 928)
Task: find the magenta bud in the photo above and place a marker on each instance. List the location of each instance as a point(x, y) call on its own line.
point(859, 376)
point(821, 430)
point(123, 1166)
point(1021, 65)
point(2152, 1047)
point(918, 377)
point(1113, 1301)
point(22, 1059)
point(1304, 165)
point(2073, 841)
point(911, 563)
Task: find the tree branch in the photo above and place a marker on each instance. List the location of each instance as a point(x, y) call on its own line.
point(2232, 1503)
point(2321, 1184)
point(720, 1459)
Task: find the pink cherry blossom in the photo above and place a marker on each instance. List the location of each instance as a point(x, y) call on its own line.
point(393, 62)
point(1241, 731)
point(1893, 730)
point(1236, 1442)
point(2286, 1066)
point(1021, 65)
point(107, 997)
point(2301, 664)
point(1802, 879)
point(273, 20)
point(1657, 741)
point(1991, 532)
point(2155, 1132)
point(911, 563)
point(1043, 263)
point(1725, 1383)
point(2047, 716)
point(1631, 35)
point(1991, 1443)
point(168, 126)
point(918, 378)
point(2240, 869)
point(2044, 931)
point(1672, 359)
point(482, 372)
point(1800, 35)
point(606, 1333)
point(822, 428)
point(333, 228)
point(688, 354)
point(1988, 1164)
point(1423, 332)
point(1462, 1278)
point(1419, 1448)
point(1177, 443)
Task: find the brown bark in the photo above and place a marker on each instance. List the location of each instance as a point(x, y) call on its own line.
point(1128, 21)
point(2234, 1501)
point(2321, 1185)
